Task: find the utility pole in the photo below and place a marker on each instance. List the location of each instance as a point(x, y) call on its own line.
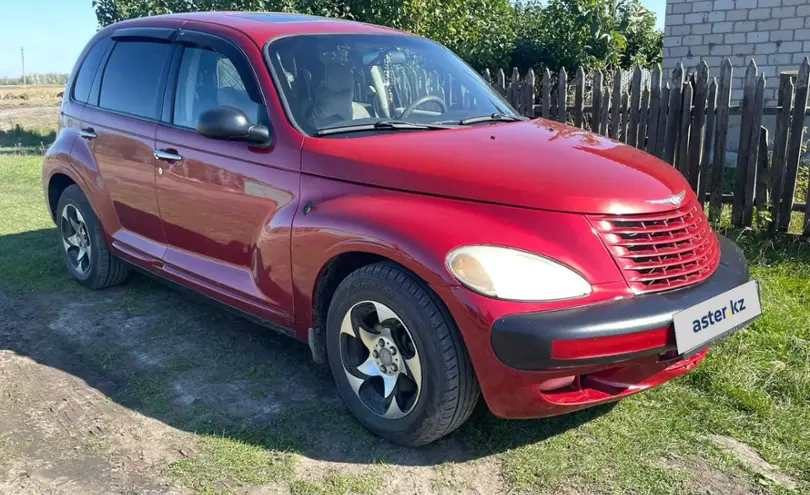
point(22, 54)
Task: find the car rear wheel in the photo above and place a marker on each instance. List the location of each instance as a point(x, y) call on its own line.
point(397, 357)
point(87, 257)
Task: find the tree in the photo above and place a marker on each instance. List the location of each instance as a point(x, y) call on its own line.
point(486, 33)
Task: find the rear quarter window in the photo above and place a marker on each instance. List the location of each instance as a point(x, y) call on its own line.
point(132, 76)
point(89, 69)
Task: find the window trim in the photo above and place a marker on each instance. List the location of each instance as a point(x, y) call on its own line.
point(99, 70)
point(195, 38)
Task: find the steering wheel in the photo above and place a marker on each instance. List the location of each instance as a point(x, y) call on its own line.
point(421, 101)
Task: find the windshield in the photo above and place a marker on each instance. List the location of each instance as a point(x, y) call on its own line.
point(332, 81)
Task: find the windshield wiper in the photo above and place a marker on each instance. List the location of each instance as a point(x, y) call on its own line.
point(493, 117)
point(387, 125)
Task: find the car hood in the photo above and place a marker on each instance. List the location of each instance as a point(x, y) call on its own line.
point(534, 164)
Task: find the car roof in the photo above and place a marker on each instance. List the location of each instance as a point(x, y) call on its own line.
point(265, 26)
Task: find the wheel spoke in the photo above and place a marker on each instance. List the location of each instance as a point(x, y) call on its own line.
point(74, 225)
point(414, 369)
point(368, 369)
point(393, 411)
point(368, 338)
point(384, 312)
point(80, 256)
point(390, 383)
point(72, 240)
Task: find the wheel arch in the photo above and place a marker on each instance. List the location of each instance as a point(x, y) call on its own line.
point(56, 186)
point(329, 277)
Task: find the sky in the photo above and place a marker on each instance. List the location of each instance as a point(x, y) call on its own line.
point(53, 33)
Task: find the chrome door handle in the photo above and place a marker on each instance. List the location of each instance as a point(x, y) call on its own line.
point(167, 156)
point(88, 133)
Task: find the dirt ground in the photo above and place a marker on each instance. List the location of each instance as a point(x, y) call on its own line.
point(101, 391)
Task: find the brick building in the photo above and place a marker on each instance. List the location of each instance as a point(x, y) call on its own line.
point(775, 33)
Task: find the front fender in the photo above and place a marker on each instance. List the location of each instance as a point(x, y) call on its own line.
point(417, 231)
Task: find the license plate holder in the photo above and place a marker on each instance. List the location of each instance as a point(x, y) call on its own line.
point(699, 326)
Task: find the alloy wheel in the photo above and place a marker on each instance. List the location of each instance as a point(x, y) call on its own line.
point(380, 359)
point(75, 239)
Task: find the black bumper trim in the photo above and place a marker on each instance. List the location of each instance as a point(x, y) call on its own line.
point(523, 341)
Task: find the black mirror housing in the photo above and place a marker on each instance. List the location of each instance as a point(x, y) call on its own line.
point(231, 124)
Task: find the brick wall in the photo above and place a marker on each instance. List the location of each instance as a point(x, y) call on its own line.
point(775, 33)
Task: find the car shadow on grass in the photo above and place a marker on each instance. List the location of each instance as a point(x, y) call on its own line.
point(198, 368)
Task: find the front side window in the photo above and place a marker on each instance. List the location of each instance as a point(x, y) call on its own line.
point(334, 80)
point(208, 79)
point(131, 79)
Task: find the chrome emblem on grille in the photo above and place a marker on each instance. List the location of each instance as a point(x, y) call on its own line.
point(675, 199)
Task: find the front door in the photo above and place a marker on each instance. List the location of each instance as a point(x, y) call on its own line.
point(227, 207)
point(120, 124)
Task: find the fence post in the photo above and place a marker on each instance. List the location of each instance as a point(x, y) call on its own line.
point(579, 97)
point(655, 109)
point(596, 103)
point(744, 151)
point(753, 164)
point(674, 114)
point(642, 121)
point(562, 96)
point(780, 142)
point(546, 93)
point(698, 120)
point(708, 140)
point(721, 128)
point(616, 104)
point(529, 94)
point(635, 101)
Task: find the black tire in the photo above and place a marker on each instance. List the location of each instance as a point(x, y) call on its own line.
point(449, 390)
point(105, 270)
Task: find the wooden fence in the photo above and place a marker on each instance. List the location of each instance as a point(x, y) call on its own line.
point(685, 122)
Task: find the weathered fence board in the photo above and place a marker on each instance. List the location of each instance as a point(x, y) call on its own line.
point(579, 98)
point(655, 108)
point(721, 127)
point(642, 121)
point(708, 139)
point(682, 153)
point(795, 141)
point(701, 89)
point(635, 101)
point(763, 173)
point(753, 158)
point(546, 94)
point(616, 106)
point(562, 96)
point(780, 143)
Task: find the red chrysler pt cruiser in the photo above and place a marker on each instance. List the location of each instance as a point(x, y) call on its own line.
point(365, 191)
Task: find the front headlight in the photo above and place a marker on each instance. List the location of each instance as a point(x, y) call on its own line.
point(514, 275)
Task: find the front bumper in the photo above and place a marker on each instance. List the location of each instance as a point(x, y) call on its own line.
point(614, 331)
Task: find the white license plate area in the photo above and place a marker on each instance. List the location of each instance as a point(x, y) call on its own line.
point(712, 318)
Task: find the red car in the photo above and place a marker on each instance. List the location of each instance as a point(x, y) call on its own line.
point(366, 191)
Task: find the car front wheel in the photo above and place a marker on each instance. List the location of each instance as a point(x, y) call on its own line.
point(87, 257)
point(397, 357)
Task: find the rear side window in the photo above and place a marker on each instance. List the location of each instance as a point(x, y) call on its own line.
point(132, 78)
point(88, 70)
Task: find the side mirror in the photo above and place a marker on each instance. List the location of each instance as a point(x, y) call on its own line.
point(230, 123)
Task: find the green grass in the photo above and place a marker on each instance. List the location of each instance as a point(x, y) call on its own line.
point(754, 387)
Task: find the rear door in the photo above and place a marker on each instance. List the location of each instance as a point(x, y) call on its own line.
point(119, 123)
point(226, 206)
